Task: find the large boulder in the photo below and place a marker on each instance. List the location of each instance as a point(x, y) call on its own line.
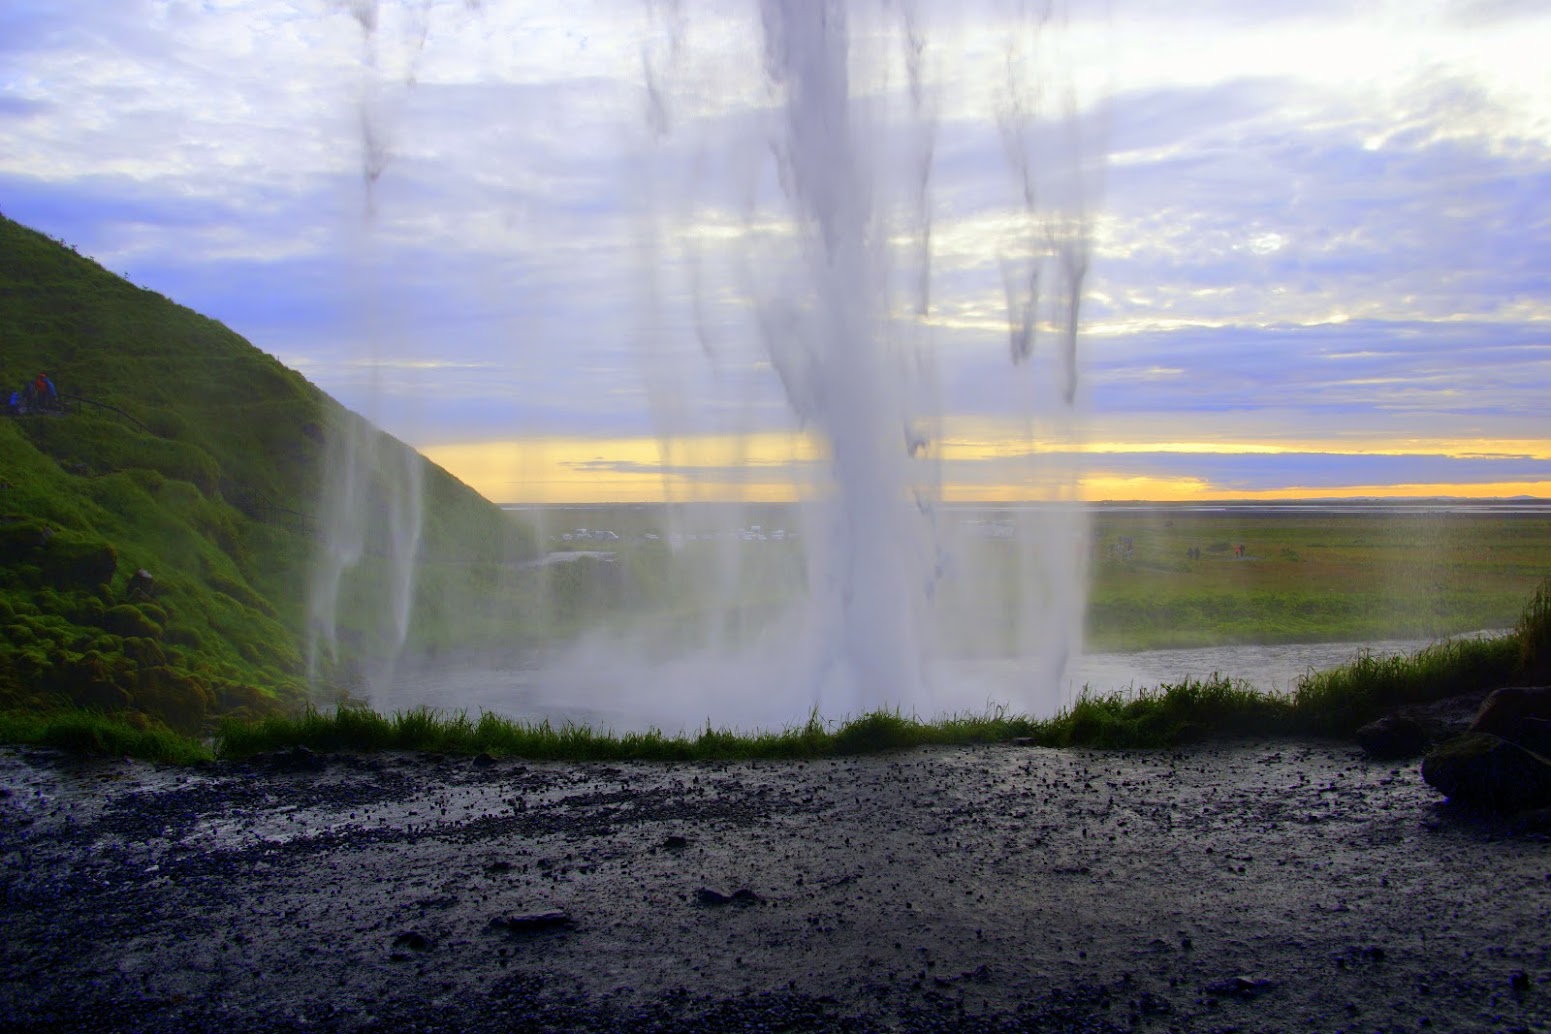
point(1506, 712)
point(1484, 771)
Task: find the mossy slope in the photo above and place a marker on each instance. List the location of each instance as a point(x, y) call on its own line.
point(186, 452)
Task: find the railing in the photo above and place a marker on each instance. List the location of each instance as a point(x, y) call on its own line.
point(64, 404)
point(83, 401)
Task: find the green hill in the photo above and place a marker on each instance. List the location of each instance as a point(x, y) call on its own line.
point(183, 451)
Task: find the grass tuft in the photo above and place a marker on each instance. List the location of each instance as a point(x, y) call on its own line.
point(1533, 634)
point(1339, 701)
point(123, 734)
point(1168, 715)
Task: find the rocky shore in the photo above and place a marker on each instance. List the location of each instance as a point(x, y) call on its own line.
point(1265, 886)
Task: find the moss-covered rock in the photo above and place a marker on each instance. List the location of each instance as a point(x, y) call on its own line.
point(147, 653)
point(176, 699)
point(126, 620)
point(78, 561)
point(1487, 772)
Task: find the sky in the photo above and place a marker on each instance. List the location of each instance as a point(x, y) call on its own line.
point(588, 252)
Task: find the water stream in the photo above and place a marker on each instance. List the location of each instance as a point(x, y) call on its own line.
point(968, 686)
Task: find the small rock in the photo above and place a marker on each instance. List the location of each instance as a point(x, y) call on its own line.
point(413, 940)
point(1393, 736)
point(141, 586)
point(713, 897)
point(1246, 986)
point(297, 759)
point(533, 922)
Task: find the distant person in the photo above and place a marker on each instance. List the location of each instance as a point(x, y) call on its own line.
point(43, 393)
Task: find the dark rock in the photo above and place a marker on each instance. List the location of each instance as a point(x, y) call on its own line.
point(1504, 711)
point(297, 759)
point(1535, 735)
point(741, 896)
point(1393, 736)
point(412, 939)
point(1488, 772)
point(1245, 986)
point(1535, 820)
point(1436, 722)
point(675, 843)
point(142, 585)
point(533, 922)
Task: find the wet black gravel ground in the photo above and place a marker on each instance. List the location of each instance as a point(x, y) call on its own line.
point(1257, 887)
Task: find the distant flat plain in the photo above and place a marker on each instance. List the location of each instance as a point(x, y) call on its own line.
point(1312, 572)
point(1199, 574)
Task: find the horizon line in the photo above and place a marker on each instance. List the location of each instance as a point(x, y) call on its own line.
point(1078, 503)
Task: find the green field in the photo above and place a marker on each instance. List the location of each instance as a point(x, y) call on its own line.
point(1308, 574)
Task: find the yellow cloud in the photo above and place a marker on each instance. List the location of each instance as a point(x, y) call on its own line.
point(755, 468)
point(977, 465)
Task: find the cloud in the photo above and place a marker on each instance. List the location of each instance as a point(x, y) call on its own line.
point(1287, 242)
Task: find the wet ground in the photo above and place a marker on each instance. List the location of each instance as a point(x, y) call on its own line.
point(1257, 887)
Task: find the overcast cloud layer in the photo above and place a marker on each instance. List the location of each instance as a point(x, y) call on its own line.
point(1321, 239)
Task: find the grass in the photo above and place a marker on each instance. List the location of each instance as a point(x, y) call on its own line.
point(200, 462)
point(360, 729)
point(1334, 575)
point(91, 732)
point(1330, 703)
